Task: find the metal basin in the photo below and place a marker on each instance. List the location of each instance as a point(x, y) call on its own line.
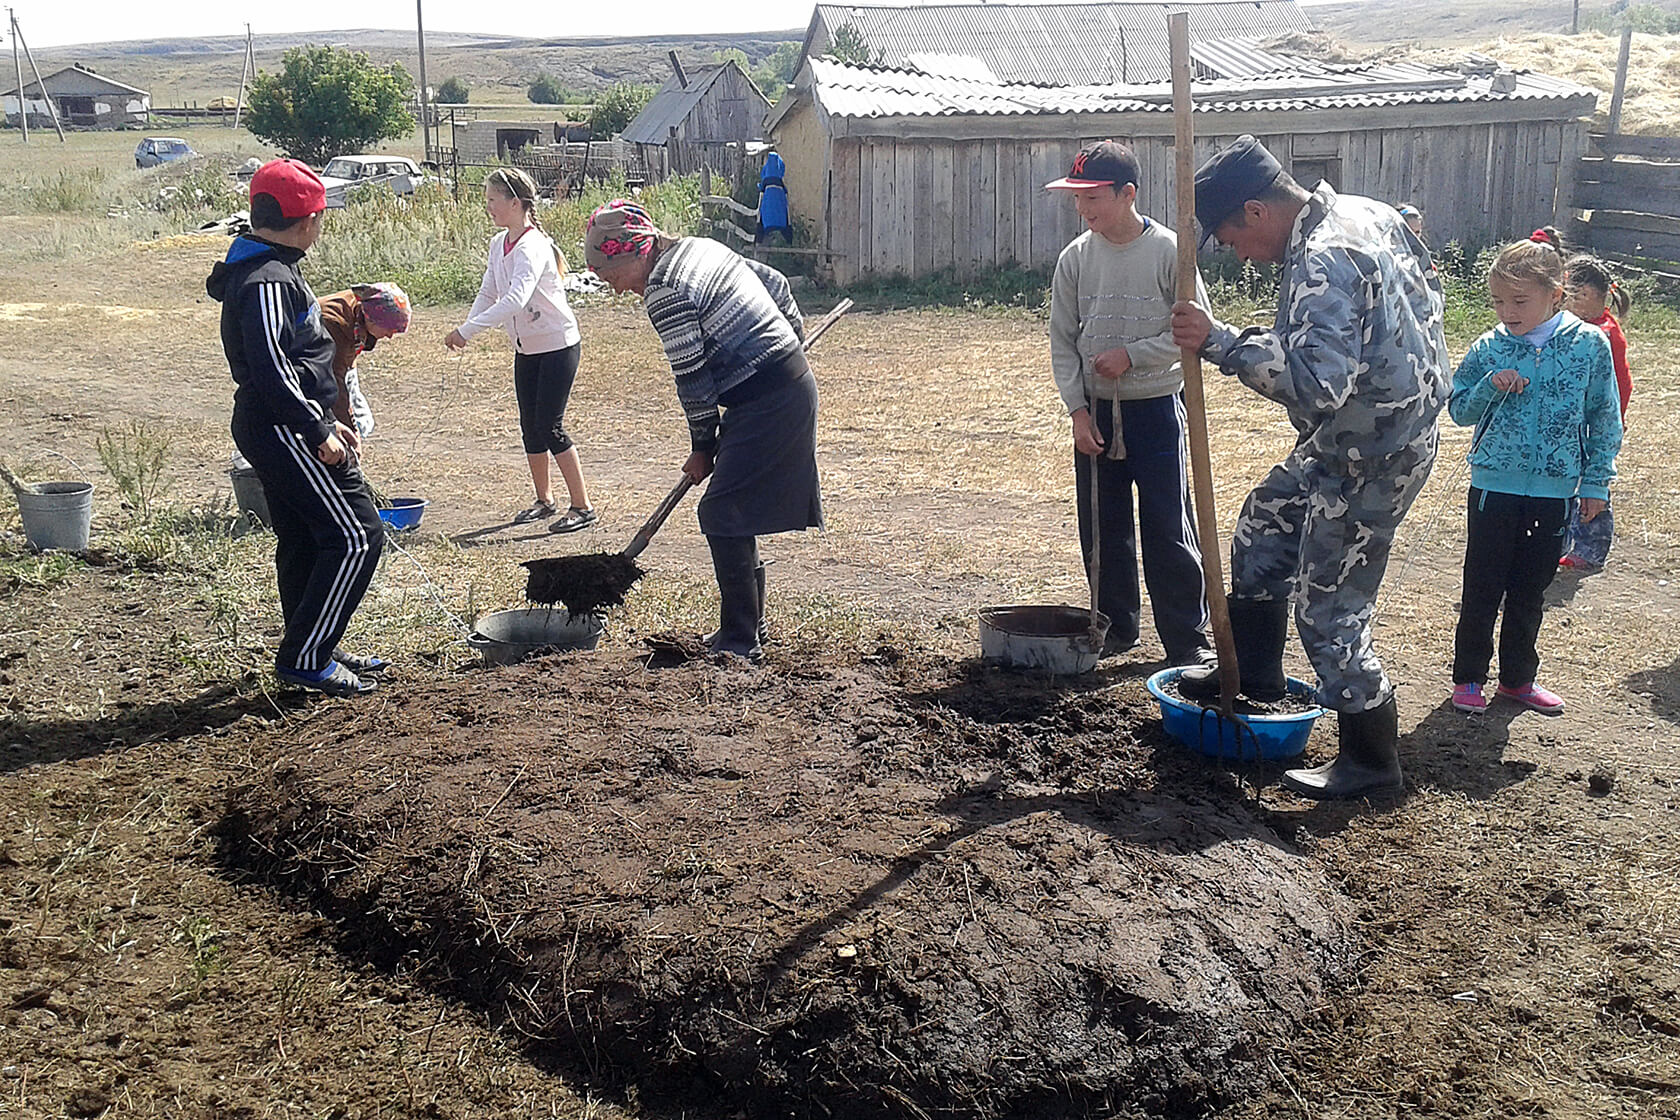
point(504, 637)
point(1049, 639)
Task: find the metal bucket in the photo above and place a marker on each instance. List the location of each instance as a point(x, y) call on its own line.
point(1051, 639)
point(248, 492)
point(57, 514)
point(504, 637)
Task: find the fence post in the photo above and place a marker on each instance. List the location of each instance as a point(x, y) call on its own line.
point(1621, 81)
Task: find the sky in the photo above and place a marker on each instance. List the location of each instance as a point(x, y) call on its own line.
point(59, 24)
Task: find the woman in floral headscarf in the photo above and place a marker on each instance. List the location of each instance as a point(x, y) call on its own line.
point(733, 336)
point(358, 319)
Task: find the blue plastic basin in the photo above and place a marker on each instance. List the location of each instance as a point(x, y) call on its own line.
point(404, 513)
point(1207, 732)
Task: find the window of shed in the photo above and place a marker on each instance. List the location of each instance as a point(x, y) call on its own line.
point(1310, 172)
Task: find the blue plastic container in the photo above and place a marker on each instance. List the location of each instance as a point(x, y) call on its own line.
point(1207, 732)
point(404, 514)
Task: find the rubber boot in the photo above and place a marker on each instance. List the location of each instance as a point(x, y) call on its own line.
point(763, 625)
point(1367, 763)
point(735, 560)
point(1259, 629)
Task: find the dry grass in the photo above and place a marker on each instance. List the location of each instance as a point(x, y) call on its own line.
point(1651, 104)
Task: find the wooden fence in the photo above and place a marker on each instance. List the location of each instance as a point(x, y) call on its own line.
point(1633, 191)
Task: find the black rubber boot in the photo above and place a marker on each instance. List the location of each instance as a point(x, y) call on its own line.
point(1259, 629)
point(763, 625)
point(735, 560)
point(1367, 763)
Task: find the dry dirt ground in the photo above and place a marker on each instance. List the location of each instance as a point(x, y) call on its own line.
point(220, 900)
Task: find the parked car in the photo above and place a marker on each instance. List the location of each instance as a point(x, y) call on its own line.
point(154, 150)
point(346, 173)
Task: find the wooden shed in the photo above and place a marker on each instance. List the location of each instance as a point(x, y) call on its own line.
point(695, 116)
point(906, 171)
point(83, 99)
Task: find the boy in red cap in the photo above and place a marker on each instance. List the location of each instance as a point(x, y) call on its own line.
point(327, 532)
point(1117, 369)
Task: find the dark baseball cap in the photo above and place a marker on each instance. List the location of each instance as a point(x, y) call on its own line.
point(1236, 173)
point(1103, 164)
point(297, 189)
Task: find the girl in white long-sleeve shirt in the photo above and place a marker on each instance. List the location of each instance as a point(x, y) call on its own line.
point(521, 293)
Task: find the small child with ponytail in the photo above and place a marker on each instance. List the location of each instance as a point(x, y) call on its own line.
point(1593, 292)
point(1541, 390)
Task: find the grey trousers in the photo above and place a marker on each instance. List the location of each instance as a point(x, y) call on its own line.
point(1321, 535)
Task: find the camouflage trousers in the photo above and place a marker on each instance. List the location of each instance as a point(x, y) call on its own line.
point(1312, 533)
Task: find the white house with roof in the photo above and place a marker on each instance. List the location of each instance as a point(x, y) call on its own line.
point(83, 98)
point(940, 162)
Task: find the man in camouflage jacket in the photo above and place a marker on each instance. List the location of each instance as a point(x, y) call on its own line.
point(1358, 359)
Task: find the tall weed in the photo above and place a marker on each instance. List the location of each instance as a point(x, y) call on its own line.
point(434, 246)
point(135, 456)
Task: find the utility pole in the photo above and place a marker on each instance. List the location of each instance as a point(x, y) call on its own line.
point(23, 106)
point(425, 109)
point(244, 74)
point(17, 37)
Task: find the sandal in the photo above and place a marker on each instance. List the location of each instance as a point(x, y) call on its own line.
point(338, 681)
point(362, 666)
point(539, 510)
point(574, 520)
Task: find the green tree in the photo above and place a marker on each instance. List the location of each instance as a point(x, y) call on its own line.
point(327, 102)
point(617, 106)
point(546, 90)
point(849, 45)
point(777, 69)
point(452, 91)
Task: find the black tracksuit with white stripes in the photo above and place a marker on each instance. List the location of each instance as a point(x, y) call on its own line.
point(328, 532)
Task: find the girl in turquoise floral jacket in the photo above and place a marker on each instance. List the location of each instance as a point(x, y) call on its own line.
point(1540, 389)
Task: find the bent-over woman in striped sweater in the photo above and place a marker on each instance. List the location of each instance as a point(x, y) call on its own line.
point(732, 334)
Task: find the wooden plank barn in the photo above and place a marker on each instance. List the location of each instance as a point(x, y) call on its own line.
point(703, 112)
point(938, 163)
point(83, 98)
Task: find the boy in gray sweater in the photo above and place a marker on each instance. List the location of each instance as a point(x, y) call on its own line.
point(1117, 369)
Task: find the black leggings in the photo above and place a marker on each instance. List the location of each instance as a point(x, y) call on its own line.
point(1511, 554)
point(542, 382)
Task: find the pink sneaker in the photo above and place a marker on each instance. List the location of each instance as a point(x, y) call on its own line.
point(1531, 695)
point(1469, 698)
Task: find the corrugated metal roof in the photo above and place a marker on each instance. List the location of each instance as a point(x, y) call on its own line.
point(1243, 57)
point(1055, 43)
point(872, 92)
point(671, 106)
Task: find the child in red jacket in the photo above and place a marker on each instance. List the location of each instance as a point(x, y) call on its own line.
point(1593, 291)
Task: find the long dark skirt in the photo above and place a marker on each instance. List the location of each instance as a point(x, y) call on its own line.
point(765, 478)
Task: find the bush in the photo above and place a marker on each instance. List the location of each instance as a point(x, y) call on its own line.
point(327, 102)
point(452, 91)
point(617, 107)
point(546, 90)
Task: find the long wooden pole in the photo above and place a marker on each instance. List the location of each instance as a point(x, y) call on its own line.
point(17, 64)
point(244, 76)
point(36, 70)
point(1195, 404)
point(1621, 81)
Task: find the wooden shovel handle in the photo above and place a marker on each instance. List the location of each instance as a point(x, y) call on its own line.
point(644, 535)
point(1195, 404)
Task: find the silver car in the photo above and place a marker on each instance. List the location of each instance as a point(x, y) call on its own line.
point(154, 150)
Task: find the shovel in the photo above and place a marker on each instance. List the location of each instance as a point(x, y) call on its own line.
point(599, 579)
point(589, 582)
